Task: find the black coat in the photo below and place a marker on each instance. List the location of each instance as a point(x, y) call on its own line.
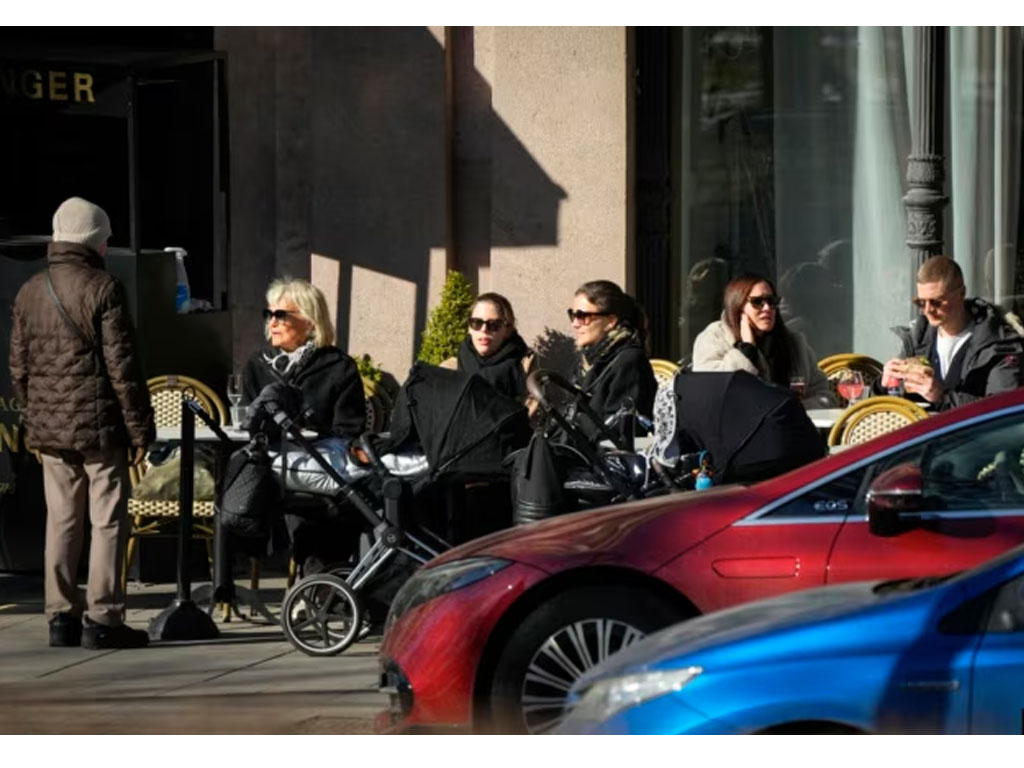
point(988, 363)
point(330, 384)
point(623, 371)
point(504, 369)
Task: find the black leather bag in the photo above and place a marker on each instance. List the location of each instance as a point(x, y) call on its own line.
point(536, 482)
point(250, 499)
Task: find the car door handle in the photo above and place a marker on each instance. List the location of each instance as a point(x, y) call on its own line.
point(757, 567)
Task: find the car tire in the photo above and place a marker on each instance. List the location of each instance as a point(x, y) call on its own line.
point(566, 635)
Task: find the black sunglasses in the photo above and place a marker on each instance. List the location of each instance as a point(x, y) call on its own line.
point(584, 317)
point(276, 314)
point(759, 301)
point(476, 323)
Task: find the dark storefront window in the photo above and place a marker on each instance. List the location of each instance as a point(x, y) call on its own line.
point(789, 158)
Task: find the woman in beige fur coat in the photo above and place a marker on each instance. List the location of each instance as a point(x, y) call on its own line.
point(752, 337)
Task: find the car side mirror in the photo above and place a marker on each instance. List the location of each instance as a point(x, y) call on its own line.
point(897, 490)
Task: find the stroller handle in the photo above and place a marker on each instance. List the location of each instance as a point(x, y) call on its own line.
point(537, 379)
point(535, 385)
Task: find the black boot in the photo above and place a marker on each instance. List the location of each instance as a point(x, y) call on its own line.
point(65, 631)
point(96, 636)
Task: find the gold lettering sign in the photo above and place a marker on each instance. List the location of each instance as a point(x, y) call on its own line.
point(32, 84)
point(83, 87)
point(58, 86)
point(50, 85)
point(9, 437)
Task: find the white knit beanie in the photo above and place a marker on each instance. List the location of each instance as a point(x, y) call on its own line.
point(79, 221)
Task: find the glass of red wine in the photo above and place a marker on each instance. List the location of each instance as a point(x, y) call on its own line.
point(850, 386)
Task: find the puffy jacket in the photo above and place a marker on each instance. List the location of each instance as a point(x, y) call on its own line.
point(76, 396)
point(990, 360)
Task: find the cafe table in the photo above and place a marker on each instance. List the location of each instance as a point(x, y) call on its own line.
point(223, 590)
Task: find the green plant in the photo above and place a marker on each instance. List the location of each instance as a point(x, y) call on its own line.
point(369, 369)
point(446, 326)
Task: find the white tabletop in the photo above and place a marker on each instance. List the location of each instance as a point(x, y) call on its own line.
point(824, 418)
point(203, 434)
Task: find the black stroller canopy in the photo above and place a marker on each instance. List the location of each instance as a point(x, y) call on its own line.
point(752, 429)
point(460, 420)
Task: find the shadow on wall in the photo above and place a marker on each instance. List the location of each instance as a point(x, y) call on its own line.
point(338, 142)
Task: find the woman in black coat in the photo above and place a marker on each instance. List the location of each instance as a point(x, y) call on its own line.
point(301, 352)
point(608, 326)
point(493, 348)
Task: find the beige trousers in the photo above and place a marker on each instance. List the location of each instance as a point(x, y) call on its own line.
point(80, 486)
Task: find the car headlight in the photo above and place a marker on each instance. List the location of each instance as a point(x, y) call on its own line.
point(612, 695)
point(429, 583)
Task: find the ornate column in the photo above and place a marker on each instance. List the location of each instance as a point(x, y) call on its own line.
point(926, 171)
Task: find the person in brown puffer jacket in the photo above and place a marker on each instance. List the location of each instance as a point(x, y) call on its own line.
point(84, 405)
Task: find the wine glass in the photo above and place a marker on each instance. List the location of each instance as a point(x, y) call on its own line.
point(234, 392)
point(851, 386)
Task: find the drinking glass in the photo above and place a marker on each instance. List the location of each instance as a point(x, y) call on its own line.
point(798, 386)
point(851, 386)
point(234, 392)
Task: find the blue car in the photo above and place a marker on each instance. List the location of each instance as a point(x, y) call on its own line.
point(922, 656)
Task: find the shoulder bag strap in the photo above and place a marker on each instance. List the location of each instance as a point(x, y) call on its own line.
point(64, 314)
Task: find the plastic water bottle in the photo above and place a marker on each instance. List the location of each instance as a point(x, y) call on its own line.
point(181, 291)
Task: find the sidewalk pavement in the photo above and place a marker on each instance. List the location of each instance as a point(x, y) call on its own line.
point(249, 680)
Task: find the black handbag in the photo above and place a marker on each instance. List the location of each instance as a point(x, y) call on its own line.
point(250, 497)
point(536, 482)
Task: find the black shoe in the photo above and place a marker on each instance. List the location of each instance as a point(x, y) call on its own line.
point(97, 636)
point(65, 631)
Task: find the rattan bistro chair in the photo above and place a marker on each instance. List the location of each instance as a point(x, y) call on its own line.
point(151, 517)
point(378, 405)
point(834, 366)
point(664, 370)
point(872, 417)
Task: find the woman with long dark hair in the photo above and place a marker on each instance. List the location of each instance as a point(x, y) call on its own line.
point(751, 336)
point(610, 330)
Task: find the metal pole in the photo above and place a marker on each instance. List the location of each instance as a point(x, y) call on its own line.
point(186, 492)
point(926, 171)
point(182, 620)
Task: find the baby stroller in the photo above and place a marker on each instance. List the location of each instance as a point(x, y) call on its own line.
point(728, 427)
point(446, 425)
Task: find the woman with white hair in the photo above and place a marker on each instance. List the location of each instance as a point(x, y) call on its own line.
point(301, 351)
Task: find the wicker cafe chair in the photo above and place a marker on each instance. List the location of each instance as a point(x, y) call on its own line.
point(378, 405)
point(875, 416)
point(152, 517)
point(834, 366)
point(664, 370)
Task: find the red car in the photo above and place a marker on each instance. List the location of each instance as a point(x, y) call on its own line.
point(491, 635)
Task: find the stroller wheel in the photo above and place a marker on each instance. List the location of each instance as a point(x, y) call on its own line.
point(321, 615)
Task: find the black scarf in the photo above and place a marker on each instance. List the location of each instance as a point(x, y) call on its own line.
point(503, 369)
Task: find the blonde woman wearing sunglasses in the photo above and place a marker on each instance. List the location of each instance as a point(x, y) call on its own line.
point(301, 351)
point(751, 336)
point(493, 347)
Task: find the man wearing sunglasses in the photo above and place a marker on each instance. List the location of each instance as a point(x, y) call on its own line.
point(959, 349)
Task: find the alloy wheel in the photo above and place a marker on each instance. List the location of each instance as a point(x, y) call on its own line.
point(561, 660)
